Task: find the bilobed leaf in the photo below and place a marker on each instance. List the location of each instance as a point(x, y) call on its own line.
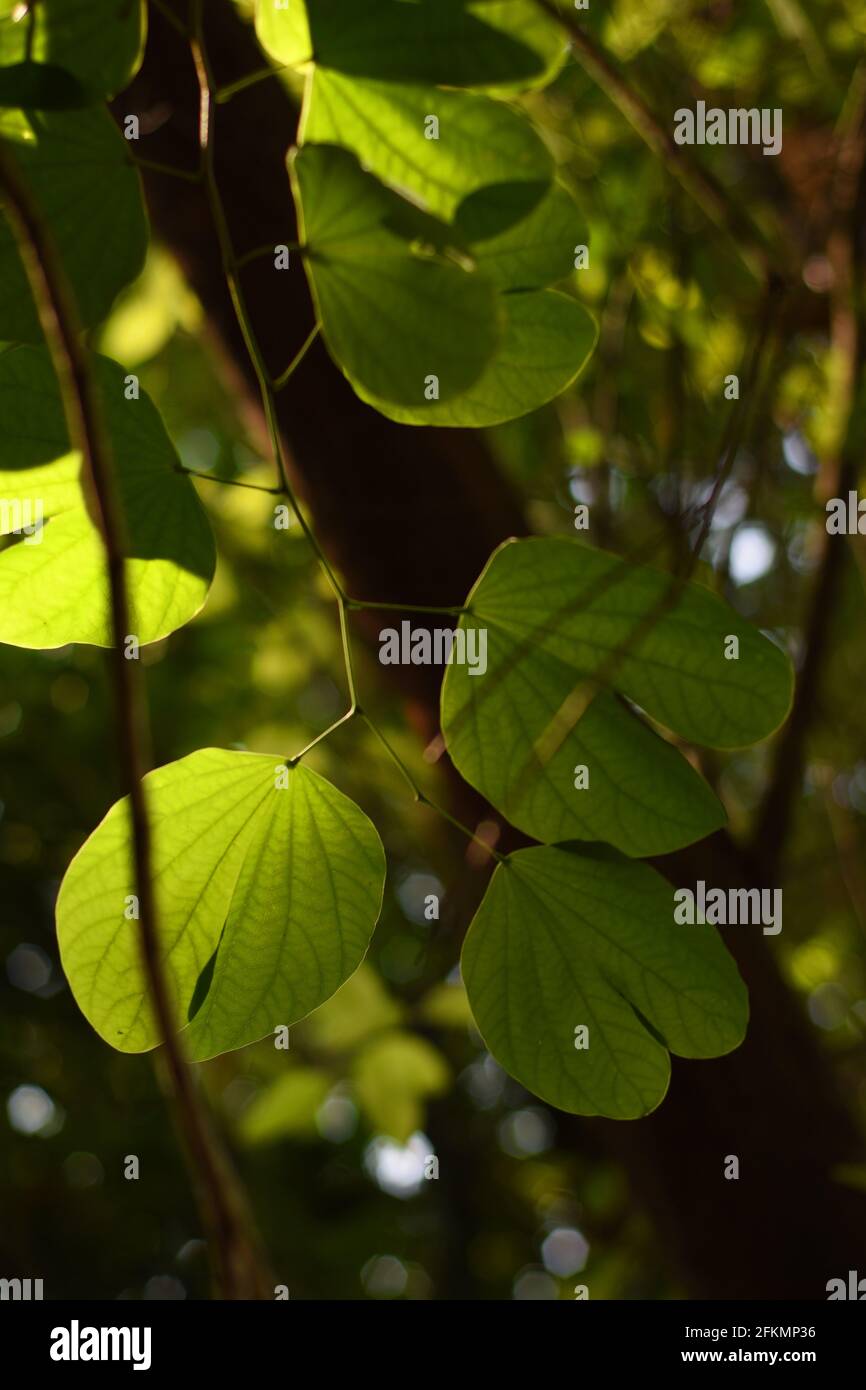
point(557, 614)
point(480, 141)
point(53, 581)
point(100, 42)
point(453, 42)
point(564, 941)
point(547, 341)
point(283, 882)
point(394, 1074)
point(78, 168)
point(391, 318)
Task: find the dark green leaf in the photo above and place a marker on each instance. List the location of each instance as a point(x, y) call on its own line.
point(547, 341)
point(564, 941)
point(558, 614)
point(393, 320)
point(41, 86)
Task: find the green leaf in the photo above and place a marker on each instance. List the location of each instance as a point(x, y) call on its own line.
point(522, 745)
point(521, 236)
point(286, 1108)
point(100, 42)
point(547, 342)
point(563, 941)
point(437, 41)
point(283, 882)
point(557, 614)
point(79, 170)
point(41, 86)
point(445, 1006)
point(360, 1007)
point(391, 318)
point(53, 582)
point(480, 142)
point(393, 1076)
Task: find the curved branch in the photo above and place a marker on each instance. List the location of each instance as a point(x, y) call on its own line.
point(221, 1201)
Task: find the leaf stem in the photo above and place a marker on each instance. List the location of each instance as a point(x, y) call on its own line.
point(258, 252)
point(231, 482)
point(206, 143)
point(279, 382)
point(326, 733)
point(422, 797)
point(154, 165)
point(267, 390)
point(168, 14)
point(240, 85)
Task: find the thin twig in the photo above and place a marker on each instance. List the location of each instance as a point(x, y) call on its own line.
point(838, 475)
point(710, 196)
point(155, 167)
point(168, 14)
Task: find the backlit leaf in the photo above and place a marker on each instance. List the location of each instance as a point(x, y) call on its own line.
point(100, 42)
point(53, 581)
point(283, 882)
point(394, 1074)
point(480, 141)
point(453, 42)
point(286, 1108)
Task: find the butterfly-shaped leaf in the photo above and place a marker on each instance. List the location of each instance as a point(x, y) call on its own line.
point(268, 884)
point(544, 733)
point(581, 983)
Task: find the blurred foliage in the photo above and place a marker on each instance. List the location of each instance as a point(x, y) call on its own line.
point(333, 1152)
